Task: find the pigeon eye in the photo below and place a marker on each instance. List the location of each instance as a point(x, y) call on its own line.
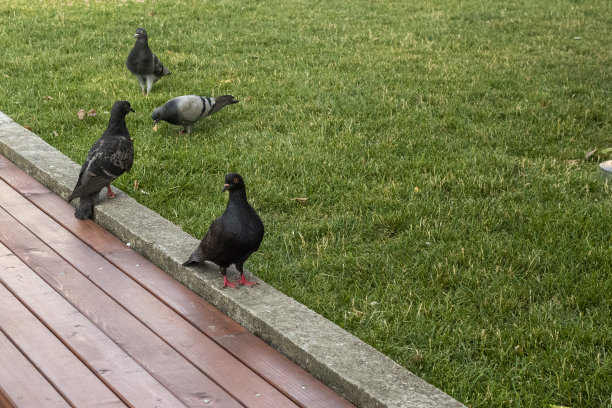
point(235, 180)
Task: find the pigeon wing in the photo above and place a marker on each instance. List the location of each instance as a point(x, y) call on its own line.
point(158, 68)
point(107, 160)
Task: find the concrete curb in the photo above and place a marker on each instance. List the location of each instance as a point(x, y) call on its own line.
point(342, 361)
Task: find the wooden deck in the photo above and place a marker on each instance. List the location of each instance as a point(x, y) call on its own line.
point(85, 321)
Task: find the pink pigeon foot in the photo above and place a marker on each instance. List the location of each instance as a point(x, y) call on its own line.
point(243, 281)
point(227, 283)
point(109, 192)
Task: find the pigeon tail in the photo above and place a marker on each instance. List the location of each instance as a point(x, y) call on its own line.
point(194, 258)
point(221, 102)
point(86, 207)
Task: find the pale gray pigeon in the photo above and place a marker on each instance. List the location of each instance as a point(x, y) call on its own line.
point(233, 236)
point(188, 109)
point(145, 65)
point(109, 157)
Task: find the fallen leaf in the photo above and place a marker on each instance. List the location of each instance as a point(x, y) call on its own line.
point(92, 112)
point(151, 13)
point(227, 81)
point(135, 184)
point(248, 99)
point(302, 199)
point(81, 115)
point(55, 133)
point(589, 154)
point(28, 127)
point(416, 189)
point(155, 128)
point(50, 98)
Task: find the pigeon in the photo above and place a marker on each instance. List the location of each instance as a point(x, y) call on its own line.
point(145, 65)
point(188, 109)
point(109, 157)
point(232, 237)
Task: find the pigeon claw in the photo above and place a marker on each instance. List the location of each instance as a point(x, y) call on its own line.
point(227, 283)
point(109, 192)
point(243, 281)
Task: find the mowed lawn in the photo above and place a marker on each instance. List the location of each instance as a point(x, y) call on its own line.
point(419, 165)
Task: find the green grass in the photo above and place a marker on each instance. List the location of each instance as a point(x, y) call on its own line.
point(451, 220)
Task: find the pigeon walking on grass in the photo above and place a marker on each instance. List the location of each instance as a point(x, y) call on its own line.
point(188, 109)
point(145, 65)
point(232, 237)
point(109, 157)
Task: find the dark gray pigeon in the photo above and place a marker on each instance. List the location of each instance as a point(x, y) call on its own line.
point(188, 109)
point(145, 65)
point(232, 237)
point(109, 157)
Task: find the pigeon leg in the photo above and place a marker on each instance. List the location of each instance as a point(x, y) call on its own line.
point(182, 131)
point(142, 83)
point(226, 282)
point(149, 84)
point(109, 192)
point(243, 280)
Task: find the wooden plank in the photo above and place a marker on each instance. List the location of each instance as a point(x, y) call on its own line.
point(120, 372)
point(292, 380)
point(21, 384)
point(167, 366)
point(224, 369)
point(76, 383)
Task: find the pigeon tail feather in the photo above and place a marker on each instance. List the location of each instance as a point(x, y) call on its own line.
point(194, 258)
point(86, 207)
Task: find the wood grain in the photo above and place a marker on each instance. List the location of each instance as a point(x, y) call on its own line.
point(21, 383)
point(76, 383)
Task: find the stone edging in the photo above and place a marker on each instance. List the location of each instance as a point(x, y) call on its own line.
point(349, 366)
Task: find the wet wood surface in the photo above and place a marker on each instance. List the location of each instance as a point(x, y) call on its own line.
point(86, 321)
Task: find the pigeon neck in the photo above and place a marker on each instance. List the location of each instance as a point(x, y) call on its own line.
point(144, 41)
point(238, 195)
point(117, 122)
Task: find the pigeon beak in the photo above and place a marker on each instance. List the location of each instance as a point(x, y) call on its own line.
point(132, 110)
point(226, 187)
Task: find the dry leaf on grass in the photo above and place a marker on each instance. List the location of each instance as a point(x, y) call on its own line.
point(50, 98)
point(55, 133)
point(589, 154)
point(28, 127)
point(83, 114)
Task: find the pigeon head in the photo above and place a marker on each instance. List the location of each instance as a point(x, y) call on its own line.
point(233, 182)
point(156, 115)
point(121, 108)
point(140, 33)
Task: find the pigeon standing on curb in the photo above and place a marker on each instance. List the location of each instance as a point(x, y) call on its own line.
point(232, 237)
point(188, 109)
point(109, 157)
point(145, 65)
